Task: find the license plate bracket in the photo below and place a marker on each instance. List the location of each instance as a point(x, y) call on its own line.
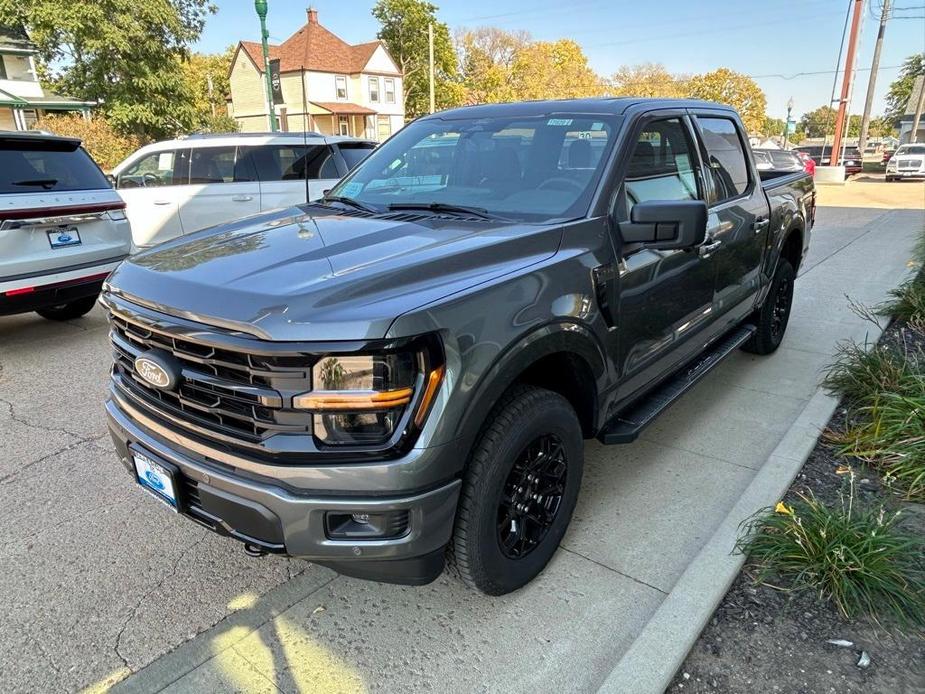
point(157, 477)
point(63, 237)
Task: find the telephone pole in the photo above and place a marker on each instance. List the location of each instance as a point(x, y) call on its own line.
point(846, 83)
point(872, 82)
point(430, 63)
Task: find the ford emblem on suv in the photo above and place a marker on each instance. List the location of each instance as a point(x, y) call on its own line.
point(157, 369)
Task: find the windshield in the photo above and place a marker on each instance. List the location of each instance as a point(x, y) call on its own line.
point(911, 149)
point(530, 169)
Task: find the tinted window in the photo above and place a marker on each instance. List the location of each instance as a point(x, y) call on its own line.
point(354, 154)
point(211, 165)
point(514, 166)
point(291, 162)
point(725, 157)
point(170, 168)
point(661, 166)
point(33, 167)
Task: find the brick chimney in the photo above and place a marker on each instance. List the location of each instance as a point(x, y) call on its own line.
point(312, 15)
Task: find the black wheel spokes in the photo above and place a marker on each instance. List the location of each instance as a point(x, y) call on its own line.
point(781, 308)
point(532, 496)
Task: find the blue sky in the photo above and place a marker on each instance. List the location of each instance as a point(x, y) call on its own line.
point(763, 39)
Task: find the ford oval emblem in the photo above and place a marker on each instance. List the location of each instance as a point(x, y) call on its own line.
point(157, 369)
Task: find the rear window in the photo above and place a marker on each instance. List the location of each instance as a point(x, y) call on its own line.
point(725, 157)
point(41, 166)
point(293, 162)
point(354, 154)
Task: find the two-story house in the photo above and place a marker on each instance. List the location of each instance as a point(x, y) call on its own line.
point(22, 99)
point(328, 85)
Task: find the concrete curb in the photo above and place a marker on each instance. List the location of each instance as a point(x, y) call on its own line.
point(661, 647)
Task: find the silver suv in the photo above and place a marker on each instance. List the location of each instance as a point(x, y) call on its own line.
point(62, 226)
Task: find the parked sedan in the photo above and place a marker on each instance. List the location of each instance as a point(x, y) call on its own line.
point(179, 186)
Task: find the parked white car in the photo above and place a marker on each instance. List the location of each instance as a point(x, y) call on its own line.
point(62, 226)
point(907, 162)
point(179, 186)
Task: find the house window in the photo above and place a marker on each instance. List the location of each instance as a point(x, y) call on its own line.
point(341, 84)
point(389, 90)
point(374, 89)
point(2, 69)
point(343, 125)
point(384, 127)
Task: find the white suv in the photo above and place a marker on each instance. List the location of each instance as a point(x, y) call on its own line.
point(179, 186)
point(62, 226)
point(907, 162)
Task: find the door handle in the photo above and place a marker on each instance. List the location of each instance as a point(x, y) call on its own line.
point(707, 248)
point(162, 202)
point(760, 225)
point(242, 198)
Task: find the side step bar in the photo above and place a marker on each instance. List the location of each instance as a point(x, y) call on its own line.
point(628, 424)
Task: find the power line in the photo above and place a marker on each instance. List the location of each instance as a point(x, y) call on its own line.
point(818, 72)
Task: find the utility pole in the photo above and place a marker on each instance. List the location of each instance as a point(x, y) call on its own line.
point(872, 82)
point(261, 7)
point(430, 63)
point(918, 112)
point(846, 83)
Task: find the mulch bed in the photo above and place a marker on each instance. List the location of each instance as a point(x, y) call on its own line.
point(761, 639)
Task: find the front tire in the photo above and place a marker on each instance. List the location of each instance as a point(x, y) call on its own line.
point(519, 492)
point(772, 318)
point(68, 311)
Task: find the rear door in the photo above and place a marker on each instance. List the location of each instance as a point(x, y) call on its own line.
point(58, 213)
point(283, 169)
point(738, 221)
point(222, 187)
point(152, 188)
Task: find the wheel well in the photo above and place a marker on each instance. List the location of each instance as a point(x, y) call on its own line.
point(792, 249)
point(571, 377)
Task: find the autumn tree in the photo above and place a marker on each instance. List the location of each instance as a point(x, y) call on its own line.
point(646, 80)
point(901, 88)
point(735, 89)
point(486, 59)
point(206, 77)
point(122, 53)
point(553, 70)
point(107, 146)
point(403, 29)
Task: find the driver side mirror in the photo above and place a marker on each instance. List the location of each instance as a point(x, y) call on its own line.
point(111, 179)
point(666, 224)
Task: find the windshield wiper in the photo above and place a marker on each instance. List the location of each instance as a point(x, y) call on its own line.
point(350, 202)
point(444, 207)
point(43, 182)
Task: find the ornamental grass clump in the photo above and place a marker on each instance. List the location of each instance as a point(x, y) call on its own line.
point(858, 558)
point(861, 373)
point(907, 303)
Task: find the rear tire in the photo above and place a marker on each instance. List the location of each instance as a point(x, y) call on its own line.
point(772, 318)
point(69, 311)
point(519, 491)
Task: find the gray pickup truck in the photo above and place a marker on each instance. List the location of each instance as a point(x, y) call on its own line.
point(406, 370)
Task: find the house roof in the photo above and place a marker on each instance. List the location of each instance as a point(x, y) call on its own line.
point(14, 36)
point(313, 47)
point(343, 108)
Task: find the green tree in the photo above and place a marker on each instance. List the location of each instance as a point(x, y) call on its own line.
point(553, 70)
point(206, 77)
point(735, 89)
point(403, 29)
point(819, 122)
point(901, 88)
point(773, 126)
point(486, 57)
point(124, 54)
point(646, 80)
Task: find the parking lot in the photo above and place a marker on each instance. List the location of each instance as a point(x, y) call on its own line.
point(99, 581)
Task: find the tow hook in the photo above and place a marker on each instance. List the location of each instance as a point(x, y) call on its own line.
point(253, 550)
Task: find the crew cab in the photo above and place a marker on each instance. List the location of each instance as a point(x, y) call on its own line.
point(62, 226)
point(176, 187)
point(407, 369)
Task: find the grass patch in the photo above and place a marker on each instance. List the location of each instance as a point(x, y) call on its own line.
point(858, 558)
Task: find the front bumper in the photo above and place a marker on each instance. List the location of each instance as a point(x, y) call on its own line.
point(271, 515)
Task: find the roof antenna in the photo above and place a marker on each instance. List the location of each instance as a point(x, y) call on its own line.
point(304, 131)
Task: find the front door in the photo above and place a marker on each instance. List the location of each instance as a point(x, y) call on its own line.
point(282, 170)
point(220, 189)
point(152, 188)
point(738, 221)
point(665, 297)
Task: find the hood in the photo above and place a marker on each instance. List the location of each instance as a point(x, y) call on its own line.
point(326, 275)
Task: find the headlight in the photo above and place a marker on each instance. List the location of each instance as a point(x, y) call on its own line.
point(364, 399)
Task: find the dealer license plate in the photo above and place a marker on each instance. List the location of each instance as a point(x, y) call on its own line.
point(63, 237)
point(156, 479)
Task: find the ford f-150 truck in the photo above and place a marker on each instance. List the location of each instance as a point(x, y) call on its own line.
point(406, 370)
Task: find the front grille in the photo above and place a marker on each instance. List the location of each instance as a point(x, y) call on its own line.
point(910, 164)
point(233, 394)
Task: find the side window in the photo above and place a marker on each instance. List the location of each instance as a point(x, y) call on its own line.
point(389, 90)
point(374, 89)
point(340, 87)
point(662, 165)
point(291, 162)
point(211, 165)
point(726, 160)
point(245, 169)
point(153, 170)
point(354, 153)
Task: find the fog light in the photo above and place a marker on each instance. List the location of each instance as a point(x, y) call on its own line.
point(372, 526)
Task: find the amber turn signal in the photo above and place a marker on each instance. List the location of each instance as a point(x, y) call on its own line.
point(357, 401)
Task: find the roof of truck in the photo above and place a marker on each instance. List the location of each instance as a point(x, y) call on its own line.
point(597, 105)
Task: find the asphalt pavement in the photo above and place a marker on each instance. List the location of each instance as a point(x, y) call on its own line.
point(101, 585)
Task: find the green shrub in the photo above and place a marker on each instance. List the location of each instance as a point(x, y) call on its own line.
point(858, 558)
point(860, 374)
point(100, 139)
point(907, 303)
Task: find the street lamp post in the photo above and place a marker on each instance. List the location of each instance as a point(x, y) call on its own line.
point(261, 7)
point(787, 121)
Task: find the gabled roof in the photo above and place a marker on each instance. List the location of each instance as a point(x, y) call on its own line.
point(15, 36)
point(315, 48)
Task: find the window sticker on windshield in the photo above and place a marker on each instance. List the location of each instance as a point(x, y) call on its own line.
point(353, 188)
point(597, 126)
point(165, 161)
point(559, 121)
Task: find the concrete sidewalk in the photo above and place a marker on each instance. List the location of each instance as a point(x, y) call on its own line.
point(645, 511)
